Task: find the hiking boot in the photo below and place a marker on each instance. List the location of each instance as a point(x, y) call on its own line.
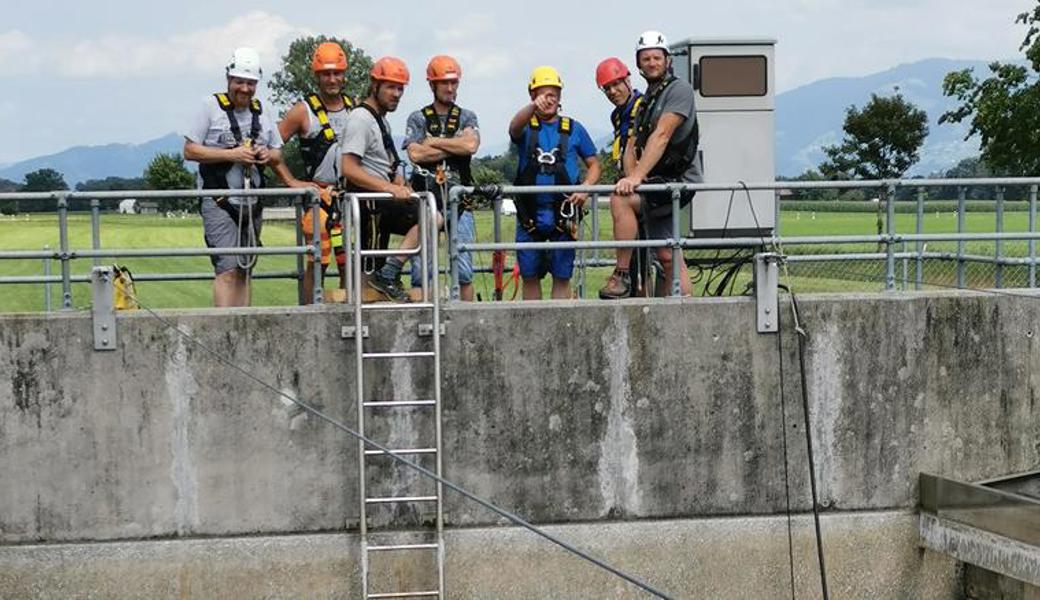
point(618, 286)
point(391, 288)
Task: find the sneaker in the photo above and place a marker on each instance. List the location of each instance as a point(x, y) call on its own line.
point(618, 286)
point(391, 288)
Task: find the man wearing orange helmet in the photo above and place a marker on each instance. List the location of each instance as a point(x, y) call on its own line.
point(441, 140)
point(233, 138)
point(317, 121)
point(550, 147)
point(370, 163)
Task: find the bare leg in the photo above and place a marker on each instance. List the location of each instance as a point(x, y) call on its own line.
point(532, 288)
point(561, 289)
point(466, 292)
point(625, 210)
point(230, 289)
point(664, 287)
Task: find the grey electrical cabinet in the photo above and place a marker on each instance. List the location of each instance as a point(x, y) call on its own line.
point(733, 80)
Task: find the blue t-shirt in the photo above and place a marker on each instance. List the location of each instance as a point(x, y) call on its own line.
point(579, 147)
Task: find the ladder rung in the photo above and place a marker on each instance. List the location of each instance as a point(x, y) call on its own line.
point(400, 403)
point(405, 594)
point(396, 547)
point(396, 306)
point(393, 499)
point(397, 355)
point(402, 451)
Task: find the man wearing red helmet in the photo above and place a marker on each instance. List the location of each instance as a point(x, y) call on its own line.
point(441, 140)
point(370, 163)
point(662, 149)
point(614, 79)
point(317, 121)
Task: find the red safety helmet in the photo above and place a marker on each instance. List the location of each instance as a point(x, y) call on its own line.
point(610, 70)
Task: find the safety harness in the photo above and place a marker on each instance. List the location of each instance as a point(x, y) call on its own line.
point(540, 162)
point(314, 149)
point(679, 154)
point(435, 176)
point(623, 118)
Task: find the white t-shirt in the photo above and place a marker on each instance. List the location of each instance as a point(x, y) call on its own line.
point(211, 128)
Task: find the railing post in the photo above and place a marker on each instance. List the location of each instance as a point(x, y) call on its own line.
point(298, 205)
point(426, 281)
point(47, 305)
point(315, 201)
point(453, 242)
point(890, 228)
point(998, 273)
point(961, 207)
point(776, 213)
point(595, 228)
point(63, 244)
point(1032, 229)
point(919, 229)
point(582, 259)
point(676, 244)
point(95, 228)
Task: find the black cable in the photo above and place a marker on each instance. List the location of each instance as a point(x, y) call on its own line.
point(802, 337)
point(783, 425)
point(221, 358)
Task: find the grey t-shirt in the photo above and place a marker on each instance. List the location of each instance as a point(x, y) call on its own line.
point(328, 170)
point(678, 98)
point(361, 137)
point(416, 129)
point(211, 127)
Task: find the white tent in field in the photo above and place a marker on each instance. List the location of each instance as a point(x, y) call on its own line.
point(128, 207)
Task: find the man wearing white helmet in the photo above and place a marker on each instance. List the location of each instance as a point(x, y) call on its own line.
point(233, 138)
point(662, 149)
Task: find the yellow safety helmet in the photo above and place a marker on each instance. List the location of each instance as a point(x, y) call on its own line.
point(542, 76)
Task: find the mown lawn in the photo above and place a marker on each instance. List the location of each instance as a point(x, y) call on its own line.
point(142, 231)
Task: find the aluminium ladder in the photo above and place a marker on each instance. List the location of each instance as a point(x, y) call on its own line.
point(378, 407)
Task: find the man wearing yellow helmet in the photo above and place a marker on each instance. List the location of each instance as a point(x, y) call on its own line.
point(317, 121)
point(550, 147)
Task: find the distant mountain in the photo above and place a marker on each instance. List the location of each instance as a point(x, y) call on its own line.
point(81, 163)
point(810, 117)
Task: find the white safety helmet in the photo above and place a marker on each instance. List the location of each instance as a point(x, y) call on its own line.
point(652, 39)
point(245, 64)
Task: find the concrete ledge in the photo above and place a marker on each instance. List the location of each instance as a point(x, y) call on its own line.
point(869, 555)
point(981, 548)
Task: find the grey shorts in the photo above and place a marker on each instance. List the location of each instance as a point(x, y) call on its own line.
point(221, 230)
point(656, 212)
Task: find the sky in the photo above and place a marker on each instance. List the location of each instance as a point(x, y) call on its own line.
point(88, 73)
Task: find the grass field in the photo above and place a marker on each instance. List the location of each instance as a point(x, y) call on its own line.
point(144, 231)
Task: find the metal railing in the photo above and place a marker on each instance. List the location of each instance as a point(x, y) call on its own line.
point(891, 240)
point(65, 254)
point(893, 247)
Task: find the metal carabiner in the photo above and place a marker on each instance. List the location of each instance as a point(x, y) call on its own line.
point(567, 210)
point(546, 158)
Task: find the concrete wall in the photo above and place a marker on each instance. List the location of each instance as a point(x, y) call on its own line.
point(562, 413)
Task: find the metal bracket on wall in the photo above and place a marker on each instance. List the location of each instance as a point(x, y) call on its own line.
point(102, 308)
point(767, 293)
point(347, 332)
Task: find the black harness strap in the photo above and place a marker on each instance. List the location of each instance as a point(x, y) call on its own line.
point(679, 154)
point(623, 127)
point(214, 175)
point(541, 162)
point(388, 141)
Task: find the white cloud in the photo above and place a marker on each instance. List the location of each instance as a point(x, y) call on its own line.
point(469, 27)
point(374, 41)
point(128, 56)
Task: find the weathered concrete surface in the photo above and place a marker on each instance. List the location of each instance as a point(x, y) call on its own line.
point(870, 555)
point(980, 584)
point(558, 411)
point(974, 546)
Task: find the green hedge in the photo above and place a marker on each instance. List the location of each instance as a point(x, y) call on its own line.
point(838, 206)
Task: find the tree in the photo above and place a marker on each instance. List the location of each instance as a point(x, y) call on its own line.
point(167, 172)
point(881, 141)
point(296, 80)
point(1004, 109)
point(111, 184)
point(44, 180)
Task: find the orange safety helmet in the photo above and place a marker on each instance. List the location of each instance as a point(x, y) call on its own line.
point(610, 70)
point(443, 68)
point(390, 69)
point(329, 56)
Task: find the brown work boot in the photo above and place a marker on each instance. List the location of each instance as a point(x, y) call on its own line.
point(618, 286)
